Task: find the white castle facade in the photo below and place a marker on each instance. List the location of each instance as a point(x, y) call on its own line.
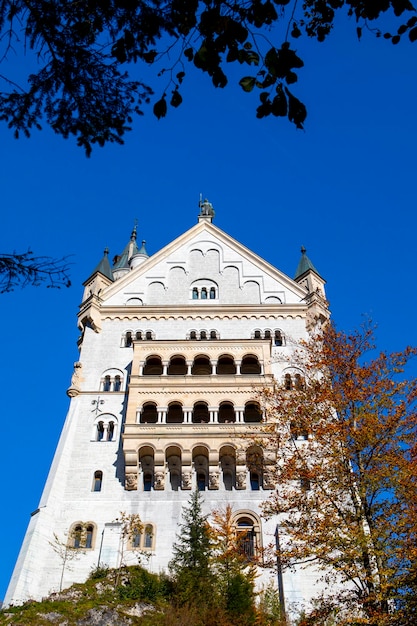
point(174, 350)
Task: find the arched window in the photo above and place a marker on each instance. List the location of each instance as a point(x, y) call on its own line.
point(226, 413)
point(146, 463)
point(288, 382)
point(257, 334)
point(100, 431)
point(195, 293)
point(278, 339)
point(104, 428)
point(89, 536)
point(252, 412)
point(227, 457)
point(225, 365)
point(153, 366)
point(299, 382)
point(128, 339)
point(203, 335)
point(213, 334)
point(76, 538)
point(254, 481)
point(175, 414)
point(144, 540)
point(204, 293)
point(148, 335)
point(173, 457)
point(250, 365)
point(200, 458)
point(138, 335)
point(82, 535)
point(148, 536)
point(136, 539)
point(177, 366)
point(201, 366)
point(149, 413)
point(212, 293)
point(247, 537)
point(193, 334)
point(97, 481)
point(267, 334)
point(107, 383)
point(117, 383)
point(200, 413)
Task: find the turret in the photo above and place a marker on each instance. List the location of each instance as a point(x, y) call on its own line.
point(308, 277)
point(140, 257)
point(100, 278)
point(121, 263)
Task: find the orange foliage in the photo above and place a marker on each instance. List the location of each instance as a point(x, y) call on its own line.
point(347, 493)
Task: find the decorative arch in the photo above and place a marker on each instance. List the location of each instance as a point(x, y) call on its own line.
point(252, 412)
point(250, 365)
point(97, 481)
point(227, 459)
point(82, 535)
point(201, 366)
point(149, 413)
point(134, 302)
point(147, 466)
point(177, 366)
point(175, 413)
point(153, 366)
point(201, 466)
point(227, 413)
point(225, 365)
point(173, 455)
point(200, 413)
point(105, 428)
point(112, 380)
point(248, 526)
point(255, 465)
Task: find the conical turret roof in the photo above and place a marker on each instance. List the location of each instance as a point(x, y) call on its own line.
point(104, 266)
point(304, 265)
point(122, 261)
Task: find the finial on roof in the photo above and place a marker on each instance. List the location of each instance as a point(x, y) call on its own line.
point(133, 235)
point(303, 250)
point(106, 251)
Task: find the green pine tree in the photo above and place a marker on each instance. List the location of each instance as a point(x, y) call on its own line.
point(190, 565)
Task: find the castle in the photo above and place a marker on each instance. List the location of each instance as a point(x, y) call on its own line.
point(174, 350)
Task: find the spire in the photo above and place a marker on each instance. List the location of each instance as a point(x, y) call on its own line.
point(122, 261)
point(104, 266)
point(304, 265)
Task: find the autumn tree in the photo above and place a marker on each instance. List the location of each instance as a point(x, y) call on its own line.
point(346, 477)
point(190, 565)
point(91, 56)
point(23, 269)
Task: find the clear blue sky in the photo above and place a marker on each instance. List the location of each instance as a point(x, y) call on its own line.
point(344, 188)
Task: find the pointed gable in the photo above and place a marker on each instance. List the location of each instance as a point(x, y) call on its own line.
point(204, 266)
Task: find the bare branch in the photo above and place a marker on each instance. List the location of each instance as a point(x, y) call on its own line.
point(21, 270)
